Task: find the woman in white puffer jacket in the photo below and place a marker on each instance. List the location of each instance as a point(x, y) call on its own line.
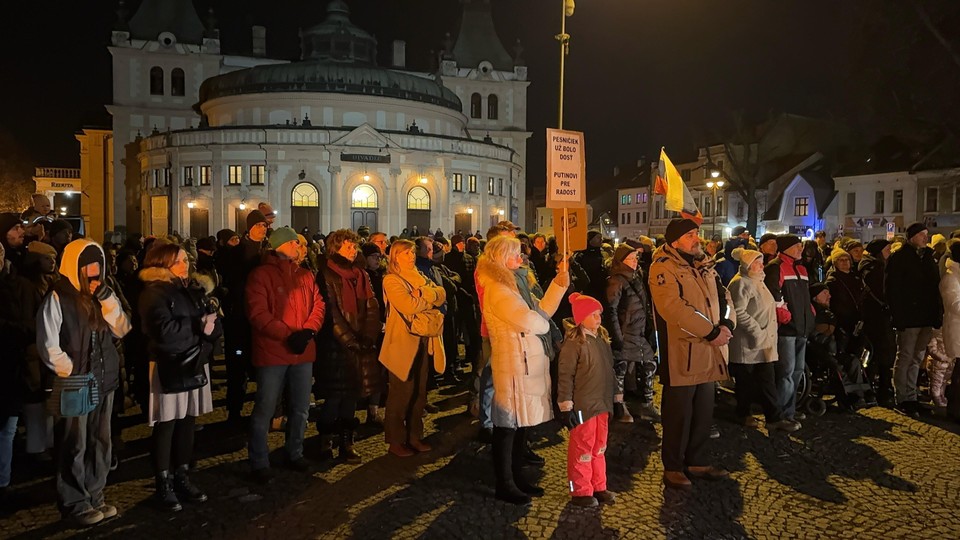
point(950, 294)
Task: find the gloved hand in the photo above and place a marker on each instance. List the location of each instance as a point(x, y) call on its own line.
point(297, 342)
point(102, 292)
point(568, 419)
point(783, 315)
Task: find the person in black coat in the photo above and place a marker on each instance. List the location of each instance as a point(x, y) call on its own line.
point(16, 331)
point(877, 320)
point(912, 290)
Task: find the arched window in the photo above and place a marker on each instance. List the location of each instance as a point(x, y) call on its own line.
point(178, 85)
point(475, 106)
point(493, 107)
point(364, 196)
point(305, 194)
point(418, 199)
point(156, 81)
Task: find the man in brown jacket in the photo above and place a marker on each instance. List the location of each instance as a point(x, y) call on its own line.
point(693, 330)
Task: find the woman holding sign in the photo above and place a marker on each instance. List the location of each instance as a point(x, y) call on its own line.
point(518, 325)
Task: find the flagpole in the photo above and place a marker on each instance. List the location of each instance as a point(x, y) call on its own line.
point(564, 40)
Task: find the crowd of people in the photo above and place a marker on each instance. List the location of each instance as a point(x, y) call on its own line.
point(359, 321)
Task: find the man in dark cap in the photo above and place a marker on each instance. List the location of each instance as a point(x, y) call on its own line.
point(912, 289)
point(239, 262)
point(693, 334)
point(877, 322)
point(789, 283)
point(12, 239)
point(768, 246)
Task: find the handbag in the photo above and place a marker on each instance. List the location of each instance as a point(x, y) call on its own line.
point(182, 372)
point(76, 395)
point(426, 323)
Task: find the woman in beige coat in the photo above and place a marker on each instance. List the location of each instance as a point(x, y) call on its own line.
point(521, 368)
point(753, 348)
point(406, 291)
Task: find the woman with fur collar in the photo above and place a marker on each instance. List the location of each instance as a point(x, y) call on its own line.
point(174, 318)
point(517, 326)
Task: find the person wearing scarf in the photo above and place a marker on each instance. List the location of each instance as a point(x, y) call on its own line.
point(347, 368)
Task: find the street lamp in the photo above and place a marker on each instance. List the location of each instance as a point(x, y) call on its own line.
point(714, 186)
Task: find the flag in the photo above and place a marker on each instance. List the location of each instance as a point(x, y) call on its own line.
point(670, 184)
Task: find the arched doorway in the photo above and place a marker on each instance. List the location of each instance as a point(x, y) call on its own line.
point(418, 209)
point(305, 207)
point(364, 207)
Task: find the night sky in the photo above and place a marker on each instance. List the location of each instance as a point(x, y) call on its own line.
point(641, 73)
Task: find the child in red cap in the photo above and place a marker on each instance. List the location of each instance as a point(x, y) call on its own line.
point(586, 388)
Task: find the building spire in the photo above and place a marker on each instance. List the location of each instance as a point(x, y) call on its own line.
point(477, 40)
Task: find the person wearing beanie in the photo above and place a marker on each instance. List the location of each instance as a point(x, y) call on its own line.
point(788, 282)
point(877, 322)
point(768, 246)
point(753, 348)
point(237, 264)
point(625, 317)
point(913, 293)
point(283, 328)
point(592, 261)
point(740, 232)
point(587, 390)
point(727, 266)
point(268, 214)
point(846, 291)
point(12, 238)
point(694, 328)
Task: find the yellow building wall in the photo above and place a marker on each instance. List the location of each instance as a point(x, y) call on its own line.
point(96, 177)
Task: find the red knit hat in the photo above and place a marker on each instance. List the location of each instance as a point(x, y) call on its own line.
point(583, 306)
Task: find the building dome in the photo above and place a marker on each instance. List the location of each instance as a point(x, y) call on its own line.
point(338, 57)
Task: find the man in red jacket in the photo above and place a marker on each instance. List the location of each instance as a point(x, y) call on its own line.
point(285, 311)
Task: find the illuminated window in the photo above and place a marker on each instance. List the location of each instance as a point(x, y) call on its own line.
point(258, 174)
point(204, 175)
point(305, 194)
point(236, 175)
point(418, 199)
point(801, 206)
point(457, 182)
point(364, 196)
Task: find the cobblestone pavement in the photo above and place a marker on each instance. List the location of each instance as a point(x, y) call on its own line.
point(873, 474)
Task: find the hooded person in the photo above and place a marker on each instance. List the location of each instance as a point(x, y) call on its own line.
point(76, 327)
point(626, 316)
point(753, 348)
point(12, 238)
point(727, 266)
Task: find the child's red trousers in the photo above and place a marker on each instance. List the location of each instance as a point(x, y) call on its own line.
point(586, 463)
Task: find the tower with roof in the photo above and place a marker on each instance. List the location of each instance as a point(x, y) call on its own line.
point(492, 86)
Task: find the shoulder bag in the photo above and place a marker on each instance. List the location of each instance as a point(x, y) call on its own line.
point(183, 371)
point(426, 323)
point(76, 395)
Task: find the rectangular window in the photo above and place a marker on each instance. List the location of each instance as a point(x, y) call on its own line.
point(623, 218)
point(628, 218)
point(156, 178)
point(166, 177)
point(637, 219)
point(500, 187)
point(457, 182)
point(490, 186)
point(956, 199)
point(851, 203)
point(933, 194)
point(878, 200)
point(236, 175)
point(644, 218)
point(658, 210)
point(740, 209)
point(706, 206)
point(685, 174)
point(258, 175)
point(204, 175)
point(897, 201)
point(188, 176)
point(472, 181)
point(720, 165)
point(644, 198)
point(801, 206)
point(720, 206)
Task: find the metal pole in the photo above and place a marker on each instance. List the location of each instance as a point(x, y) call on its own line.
point(713, 223)
point(564, 40)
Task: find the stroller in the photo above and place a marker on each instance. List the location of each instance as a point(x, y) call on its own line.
point(836, 372)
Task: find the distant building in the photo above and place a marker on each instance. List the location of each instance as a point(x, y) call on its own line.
point(334, 140)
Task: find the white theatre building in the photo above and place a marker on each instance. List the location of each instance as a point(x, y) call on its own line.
point(332, 140)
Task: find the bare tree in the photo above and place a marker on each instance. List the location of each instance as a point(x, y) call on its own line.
point(16, 181)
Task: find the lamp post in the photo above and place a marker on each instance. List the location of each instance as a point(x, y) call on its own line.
point(714, 185)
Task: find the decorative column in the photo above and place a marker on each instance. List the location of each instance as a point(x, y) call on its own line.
point(336, 198)
point(395, 212)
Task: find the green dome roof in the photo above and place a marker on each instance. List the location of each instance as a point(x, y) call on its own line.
point(336, 78)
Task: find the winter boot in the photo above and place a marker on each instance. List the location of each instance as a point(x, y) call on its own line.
point(166, 498)
point(507, 489)
point(346, 441)
point(326, 432)
point(648, 412)
point(184, 489)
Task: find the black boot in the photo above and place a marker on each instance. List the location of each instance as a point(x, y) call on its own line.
point(186, 490)
point(165, 496)
point(507, 489)
point(327, 432)
point(520, 448)
point(346, 441)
